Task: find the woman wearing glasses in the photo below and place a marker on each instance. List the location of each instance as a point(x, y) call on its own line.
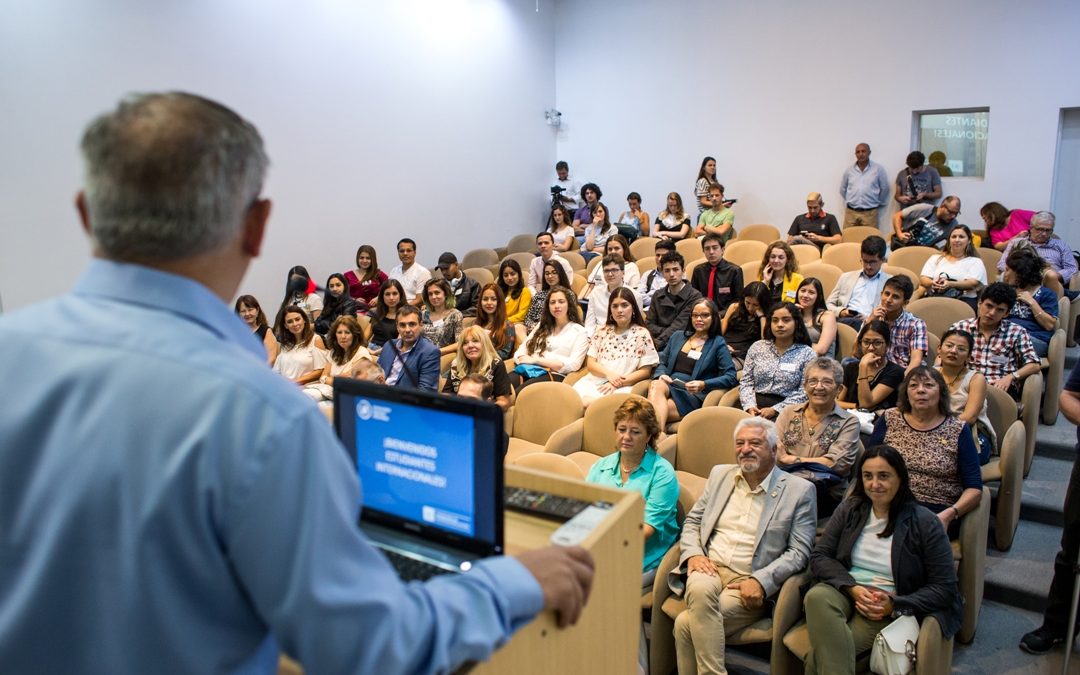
point(872, 382)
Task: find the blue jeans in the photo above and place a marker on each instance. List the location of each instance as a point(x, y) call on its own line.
point(1041, 348)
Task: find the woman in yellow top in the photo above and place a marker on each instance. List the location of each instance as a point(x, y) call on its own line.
point(518, 295)
point(780, 272)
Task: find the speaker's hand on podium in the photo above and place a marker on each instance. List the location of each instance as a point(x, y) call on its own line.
point(565, 575)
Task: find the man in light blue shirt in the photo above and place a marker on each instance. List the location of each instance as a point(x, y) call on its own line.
point(167, 503)
point(865, 189)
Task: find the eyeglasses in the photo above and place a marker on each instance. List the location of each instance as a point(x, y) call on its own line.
point(954, 213)
point(612, 270)
point(873, 343)
point(701, 316)
point(820, 383)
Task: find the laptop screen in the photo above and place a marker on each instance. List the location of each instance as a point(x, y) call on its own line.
point(428, 464)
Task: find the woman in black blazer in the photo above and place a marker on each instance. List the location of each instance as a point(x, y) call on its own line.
point(881, 555)
point(693, 363)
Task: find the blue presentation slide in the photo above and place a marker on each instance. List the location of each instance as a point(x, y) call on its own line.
point(416, 463)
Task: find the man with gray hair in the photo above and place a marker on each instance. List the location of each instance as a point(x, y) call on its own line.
point(925, 224)
point(752, 528)
point(170, 504)
point(1049, 246)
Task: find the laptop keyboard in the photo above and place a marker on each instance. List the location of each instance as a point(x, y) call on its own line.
point(411, 569)
point(543, 504)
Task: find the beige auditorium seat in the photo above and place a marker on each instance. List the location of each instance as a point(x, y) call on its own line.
point(521, 243)
point(827, 274)
point(577, 283)
point(1006, 466)
point(940, 313)
point(482, 275)
point(912, 258)
point(743, 251)
point(705, 438)
point(1030, 398)
point(556, 464)
point(689, 249)
point(764, 233)
point(990, 258)
point(845, 256)
point(591, 437)
point(643, 247)
point(591, 265)
point(523, 259)
point(933, 345)
point(857, 233)
point(893, 270)
point(576, 260)
point(539, 410)
point(846, 337)
point(970, 551)
point(480, 257)
point(750, 271)
point(1053, 369)
point(806, 253)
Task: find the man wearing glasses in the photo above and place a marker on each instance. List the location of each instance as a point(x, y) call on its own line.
point(596, 316)
point(925, 224)
point(1053, 249)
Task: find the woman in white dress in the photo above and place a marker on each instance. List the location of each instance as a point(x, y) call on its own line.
point(303, 355)
point(958, 272)
point(556, 347)
point(562, 232)
point(621, 354)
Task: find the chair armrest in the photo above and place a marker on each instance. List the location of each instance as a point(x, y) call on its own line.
point(567, 439)
point(730, 399)
point(641, 388)
point(508, 421)
point(789, 607)
point(661, 590)
point(714, 397)
point(934, 651)
point(973, 535)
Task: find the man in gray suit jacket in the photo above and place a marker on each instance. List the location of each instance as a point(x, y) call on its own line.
point(857, 292)
point(752, 528)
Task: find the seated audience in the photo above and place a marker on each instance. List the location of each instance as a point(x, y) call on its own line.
point(384, 317)
point(937, 446)
point(818, 439)
point(556, 347)
point(967, 389)
point(518, 295)
point(249, 310)
point(598, 233)
point(773, 372)
point(779, 271)
point(1050, 247)
point(300, 292)
point(744, 322)
point(873, 381)
point(410, 275)
point(917, 183)
point(703, 187)
point(611, 268)
point(346, 350)
point(463, 289)
point(590, 196)
point(857, 292)
point(673, 222)
point(366, 280)
point(1003, 351)
point(694, 362)
point(491, 316)
point(561, 230)
point(475, 355)
point(633, 222)
point(336, 303)
point(411, 360)
point(815, 226)
point(718, 219)
point(545, 244)
point(635, 466)
point(727, 573)
point(716, 278)
point(303, 353)
point(1003, 224)
point(881, 555)
point(653, 280)
point(621, 353)
point(819, 321)
point(670, 308)
point(616, 245)
point(924, 224)
point(958, 272)
point(440, 321)
point(1036, 309)
point(477, 386)
point(907, 343)
point(553, 275)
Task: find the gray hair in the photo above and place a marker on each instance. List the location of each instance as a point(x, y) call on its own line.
point(828, 365)
point(1044, 217)
point(169, 176)
point(759, 423)
point(951, 200)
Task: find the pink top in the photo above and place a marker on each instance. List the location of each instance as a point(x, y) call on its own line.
point(1019, 221)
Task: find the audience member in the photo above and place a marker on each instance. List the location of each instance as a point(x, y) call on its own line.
point(518, 295)
point(937, 446)
point(751, 529)
point(670, 307)
point(384, 319)
point(553, 275)
point(673, 222)
point(336, 303)
point(780, 272)
point(561, 231)
point(1037, 308)
point(303, 353)
point(491, 316)
point(819, 321)
point(1002, 224)
point(479, 387)
point(590, 195)
point(1003, 351)
point(598, 233)
point(568, 198)
point(556, 347)
point(958, 272)
point(653, 280)
point(621, 352)
point(633, 222)
point(300, 292)
point(718, 219)
point(705, 180)
point(410, 275)
point(612, 268)
point(881, 555)
point(366, 279)
point(872, 382)
point(967, 389)
point(815, 226)
point(917, 183)
point(924, 224)
point(346, 350)
point(717, 279)
point(864, 189)
point(616, 245)
point(694, 362)
point(1049, 246)
point(545, 244)
point(410, 360)
point(908, 342)
point(249, 309)
point(440, 320)
point(773, 371)
point(476, 355)
point(857, 292)
point(464, 289)
point(744, 322)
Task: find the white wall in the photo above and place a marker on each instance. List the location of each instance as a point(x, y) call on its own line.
point(780, 92)
point(367, 109)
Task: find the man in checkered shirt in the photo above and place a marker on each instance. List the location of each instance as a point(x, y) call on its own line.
point(1003, 350)
point(909, 343)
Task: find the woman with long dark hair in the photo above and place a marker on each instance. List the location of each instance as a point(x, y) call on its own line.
point(491, 316)
point(336, 303)
point(346, 350)
point(561, 229)
point(820, 322)
point(305, 298)
point(598, 233)
point(773, 371)
point(251, 312)
point(1036, 306)
point(621, 353)
point(556, 347)
point(553, 275)
point(384, 319)
point(779, 271)
point(518, 294)
point(744, 322)
point(967, 388)
point(302, 354)
point(706, 178)
point(366, 279)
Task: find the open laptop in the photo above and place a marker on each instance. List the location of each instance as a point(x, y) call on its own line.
point(431, 474)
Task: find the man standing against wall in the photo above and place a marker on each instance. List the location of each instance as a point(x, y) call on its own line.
point(917, 183)
point(864, 188)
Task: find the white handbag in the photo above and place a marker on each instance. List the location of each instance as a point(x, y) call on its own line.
point(894, 647)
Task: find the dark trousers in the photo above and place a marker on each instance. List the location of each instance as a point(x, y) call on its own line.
point(855, 322)
point(1056, 618)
